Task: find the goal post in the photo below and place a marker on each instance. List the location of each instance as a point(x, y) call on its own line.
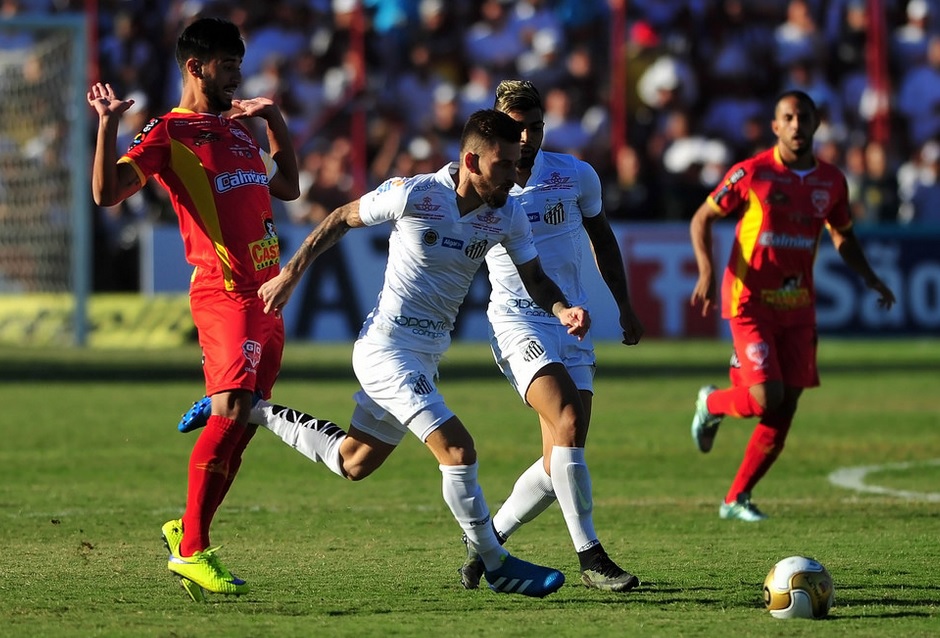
point(45, 207)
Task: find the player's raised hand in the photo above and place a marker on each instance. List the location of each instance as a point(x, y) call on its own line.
point(101, 97)
point(255, 107)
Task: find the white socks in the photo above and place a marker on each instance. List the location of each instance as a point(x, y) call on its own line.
point(572, 483)
point(531, 495)
point(463, 495)
point(317, 439)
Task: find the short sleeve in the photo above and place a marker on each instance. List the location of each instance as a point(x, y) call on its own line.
point(519, 243)
point(590, 200)
point(385, 203)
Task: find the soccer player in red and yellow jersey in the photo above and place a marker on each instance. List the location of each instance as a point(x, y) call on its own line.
point(783, 198)
point(220, 182)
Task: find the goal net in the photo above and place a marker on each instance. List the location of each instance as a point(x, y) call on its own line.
point(45, 225)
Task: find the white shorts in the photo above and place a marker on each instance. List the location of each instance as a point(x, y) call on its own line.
point(522, 349)
point(398, 393)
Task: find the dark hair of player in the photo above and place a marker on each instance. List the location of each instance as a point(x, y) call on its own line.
point(207, 38)
point(487, 127)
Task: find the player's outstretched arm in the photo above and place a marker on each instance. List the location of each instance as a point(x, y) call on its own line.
point(610, 265)
point(849, 248)
point(276, 291)
point(549, 297)
point(705, 292)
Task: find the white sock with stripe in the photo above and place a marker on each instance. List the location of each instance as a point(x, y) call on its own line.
point(531, 495)
point(572, 483)
point(317, 439)
point(463, 495)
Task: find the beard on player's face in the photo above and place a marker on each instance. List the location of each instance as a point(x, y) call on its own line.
point(218, 98)
point(526, 160)
point(493, 195)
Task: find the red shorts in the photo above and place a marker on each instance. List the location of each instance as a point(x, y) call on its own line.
point(241, 345)
point(766, 351)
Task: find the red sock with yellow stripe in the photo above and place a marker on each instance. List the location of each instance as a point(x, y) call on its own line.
point(208, 480)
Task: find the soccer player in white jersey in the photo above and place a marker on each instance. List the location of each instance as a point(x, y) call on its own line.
point(551, 370)
point(443, 225)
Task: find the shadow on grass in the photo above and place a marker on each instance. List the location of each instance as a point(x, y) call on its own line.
point(100, 370)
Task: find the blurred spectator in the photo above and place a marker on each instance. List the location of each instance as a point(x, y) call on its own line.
point(699, 75)
point(436, 29)
point(281, 32)
point(878, 197)
point(920, 187)
point(798, 38)
point(691, 165)
point(919, 97)
point(415, 88)
point(331, 185)
point(125, 55)
point(805, 74)
point(631, 194)
point(13, 41)
point(531, 18)
point(491, 41)
point(446, 126)
point(730, 116)
point(477, 92)
point(909, 41)
point(564, 132)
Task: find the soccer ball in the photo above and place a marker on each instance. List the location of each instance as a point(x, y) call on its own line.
point(798, 587)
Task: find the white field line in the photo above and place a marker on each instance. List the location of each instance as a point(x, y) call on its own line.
point(853, 478)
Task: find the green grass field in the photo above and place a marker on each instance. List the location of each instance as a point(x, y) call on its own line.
point(91, 466)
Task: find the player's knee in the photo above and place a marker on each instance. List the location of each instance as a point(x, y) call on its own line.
point(359, 461)
point(767, 396)
point(356, 472)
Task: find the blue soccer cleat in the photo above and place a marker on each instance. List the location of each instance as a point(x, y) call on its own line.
point(516, 576)
point(197, 416)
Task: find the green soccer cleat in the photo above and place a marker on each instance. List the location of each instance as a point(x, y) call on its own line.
point(742, 510)
point(206, 570)
point(704, 423)
point(605, 575)
point(472, 569)
point(172, 537)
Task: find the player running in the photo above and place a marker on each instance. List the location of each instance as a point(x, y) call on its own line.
point(443, 226)
point(551, 370)
point(783, 198)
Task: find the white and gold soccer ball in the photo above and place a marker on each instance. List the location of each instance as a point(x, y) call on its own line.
point(798, 587)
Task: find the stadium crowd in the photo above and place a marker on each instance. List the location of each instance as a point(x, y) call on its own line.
point(374, 88)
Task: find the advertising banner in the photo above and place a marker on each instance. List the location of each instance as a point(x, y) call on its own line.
point(340, 288)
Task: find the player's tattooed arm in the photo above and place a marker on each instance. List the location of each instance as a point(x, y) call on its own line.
point(278, 290)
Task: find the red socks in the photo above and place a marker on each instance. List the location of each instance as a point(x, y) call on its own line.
point(762, 450)
point(212, 466)
point(736, 401)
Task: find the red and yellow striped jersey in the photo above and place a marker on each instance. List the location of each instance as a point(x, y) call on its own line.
point(781, 215)
point(217, 179)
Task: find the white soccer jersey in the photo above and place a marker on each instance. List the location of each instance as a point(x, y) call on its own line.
point(433, 254)
point(560, 193)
